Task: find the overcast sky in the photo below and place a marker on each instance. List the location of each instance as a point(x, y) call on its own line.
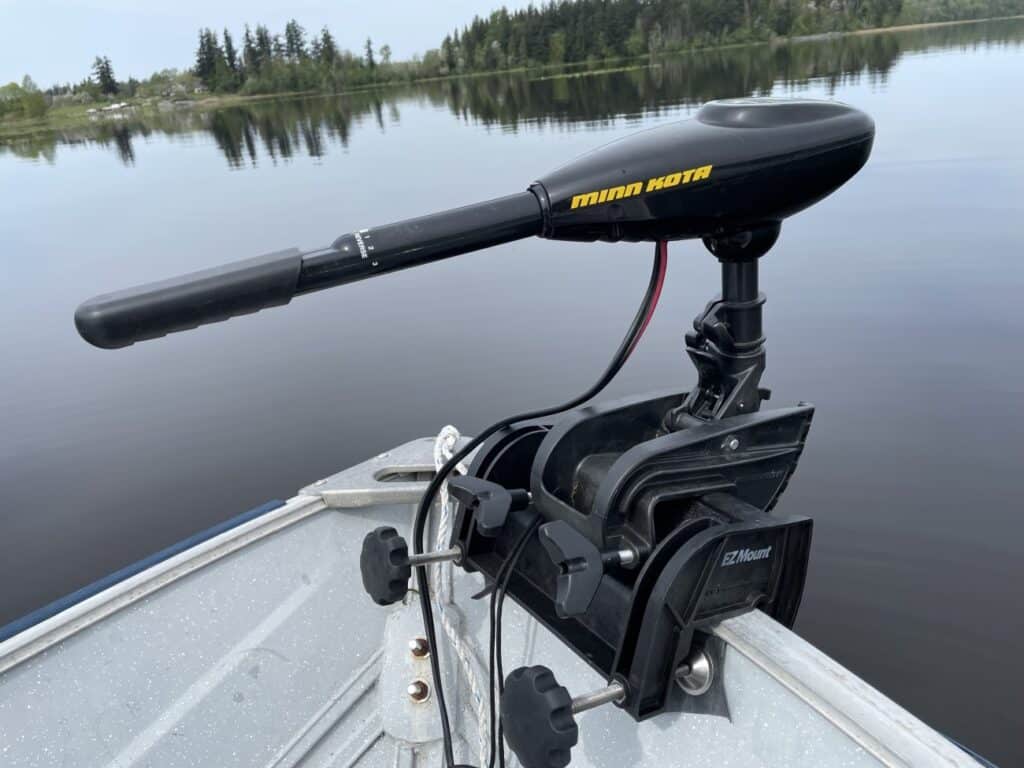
point(56, 40)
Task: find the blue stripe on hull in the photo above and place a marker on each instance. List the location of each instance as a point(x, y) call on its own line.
point(63, 603)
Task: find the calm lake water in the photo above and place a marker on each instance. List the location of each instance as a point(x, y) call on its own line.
point(894, 306)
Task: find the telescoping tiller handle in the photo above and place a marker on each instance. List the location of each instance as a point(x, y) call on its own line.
point(738, 166)
point(149, 311)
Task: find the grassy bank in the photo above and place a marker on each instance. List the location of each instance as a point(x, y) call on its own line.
point(72, 117)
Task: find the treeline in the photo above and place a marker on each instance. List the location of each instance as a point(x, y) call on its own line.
point(263, 63)
point(557, 33)
point(588, 30)
point(100, 85)
point(27, 100)
point(278, 129)
point(270, 63)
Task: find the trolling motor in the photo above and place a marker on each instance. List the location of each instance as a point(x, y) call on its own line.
point(625, 528)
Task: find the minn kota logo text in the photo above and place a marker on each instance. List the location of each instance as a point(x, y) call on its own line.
point(655, 184)
point(737, 556)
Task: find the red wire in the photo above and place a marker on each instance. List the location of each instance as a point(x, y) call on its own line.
point(662, 271)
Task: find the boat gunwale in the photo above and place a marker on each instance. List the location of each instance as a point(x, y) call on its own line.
point(358, 486)
point(79, 610)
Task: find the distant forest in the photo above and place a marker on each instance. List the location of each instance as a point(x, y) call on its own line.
point(556, 33)
point(583, 30)
point(592, 32)
point(277, 129)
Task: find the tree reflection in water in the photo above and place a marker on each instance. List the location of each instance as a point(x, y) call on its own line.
point(278, 129)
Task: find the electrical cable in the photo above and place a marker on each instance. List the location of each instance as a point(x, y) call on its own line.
point(497, 603)
point(501, 580)
point(626, 347)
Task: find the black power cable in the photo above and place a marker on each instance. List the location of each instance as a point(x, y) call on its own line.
point(497, 603)
point(626, 347)
point(501, 580)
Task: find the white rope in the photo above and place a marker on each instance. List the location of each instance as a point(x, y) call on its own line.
point(444, 449)
point(472, 669)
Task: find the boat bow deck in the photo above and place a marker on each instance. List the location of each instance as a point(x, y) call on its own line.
point(257, 647)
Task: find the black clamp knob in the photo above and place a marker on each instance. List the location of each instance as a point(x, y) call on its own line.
point(489, 502)
point(386, 565)
point(537, 718)
point(538, 715)
point(581, 566)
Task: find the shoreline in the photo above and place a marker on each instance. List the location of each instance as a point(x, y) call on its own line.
point(78, 117)
point(930, 25)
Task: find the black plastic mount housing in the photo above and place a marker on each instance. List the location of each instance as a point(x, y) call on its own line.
point(691, 504)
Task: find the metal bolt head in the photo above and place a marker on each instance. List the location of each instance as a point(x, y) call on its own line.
point(419, 647)
point(696, 674)
point(731, 443)
point(418, 691)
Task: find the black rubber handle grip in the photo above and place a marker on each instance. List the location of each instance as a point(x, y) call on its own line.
point(120, 319)
point(150, 311)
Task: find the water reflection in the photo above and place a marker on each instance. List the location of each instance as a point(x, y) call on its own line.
point(279, 129)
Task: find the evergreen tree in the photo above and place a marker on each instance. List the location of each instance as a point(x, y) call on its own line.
point(250, 58)
point(104, 74)
point(295, 41)
point(208, 56)
point(448, 53)
point(328, 48)
point(230, 55)
point(264, 47)
point(369, 54)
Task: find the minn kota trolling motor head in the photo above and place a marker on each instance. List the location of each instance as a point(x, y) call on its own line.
point(626, 528)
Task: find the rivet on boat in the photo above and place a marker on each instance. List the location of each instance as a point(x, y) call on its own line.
point(418, 691)
point(419, 647)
